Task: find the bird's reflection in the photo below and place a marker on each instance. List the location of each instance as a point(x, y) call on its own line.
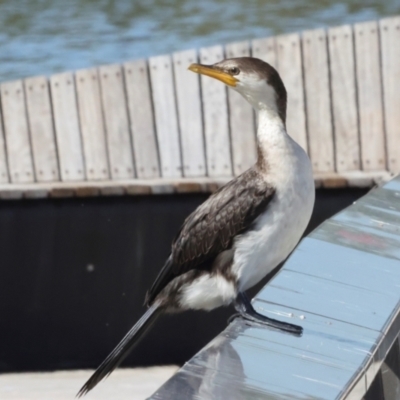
point(215, 373)
point(230, 369)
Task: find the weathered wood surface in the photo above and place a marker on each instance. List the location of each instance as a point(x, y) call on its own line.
point(166, 116)
point(153, 120)
point(92, 126)
point(370, 96)
point(265, 49)
point(168, 185)
point(16, 132)
point(141, 119)
point(66, 121)
point(116, 122)
point(40, 119)
point(188, 98)
point(390, 49)
point(216, 123)
point(344, 98)
point(241, 119)
point(318, 105)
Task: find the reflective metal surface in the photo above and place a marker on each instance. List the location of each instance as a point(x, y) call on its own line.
point(342, 284)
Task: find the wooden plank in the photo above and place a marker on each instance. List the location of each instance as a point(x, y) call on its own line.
point(141, 119)
point(16, 132)
point(162, 85)
point(67, 127)
point(11, 194)
point(137, 189)
point(265, 49)
point(390, 50)
point(3, 160)
point(344, 101)
point(40, 118)
point(116, 122)
point(215, 113)
point(61, 193)
point(108, 187)
point(87, 192)
point(359, 179)
point(91, 122)
point(241, 118)
point(190, 116)
point(369, 96)
point(112, 191)
point(318, 106)
point(289, 64)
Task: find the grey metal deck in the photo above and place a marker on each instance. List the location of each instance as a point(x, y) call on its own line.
point(342, 284)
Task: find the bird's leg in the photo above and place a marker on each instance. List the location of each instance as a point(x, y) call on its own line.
point(244, 307)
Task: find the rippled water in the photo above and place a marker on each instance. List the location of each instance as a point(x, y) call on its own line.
point(46, 36)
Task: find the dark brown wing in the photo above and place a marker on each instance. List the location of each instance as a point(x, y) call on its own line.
point(211, 228)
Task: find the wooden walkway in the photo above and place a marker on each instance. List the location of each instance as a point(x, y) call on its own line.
point(151, 126)
point(124, 383)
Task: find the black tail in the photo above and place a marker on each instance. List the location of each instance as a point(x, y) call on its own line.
point(123, 348)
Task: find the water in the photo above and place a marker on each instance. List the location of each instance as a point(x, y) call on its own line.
point(47, 36)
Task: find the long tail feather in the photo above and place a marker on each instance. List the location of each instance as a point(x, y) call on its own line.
point(122, 349)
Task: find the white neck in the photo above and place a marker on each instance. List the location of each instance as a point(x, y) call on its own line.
point(272, 137)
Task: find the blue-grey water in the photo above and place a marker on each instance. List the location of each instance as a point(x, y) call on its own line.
point(47, 36)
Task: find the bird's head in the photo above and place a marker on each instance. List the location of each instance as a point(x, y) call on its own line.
point(257, 81)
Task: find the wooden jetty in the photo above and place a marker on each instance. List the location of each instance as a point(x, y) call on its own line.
point(151, 126)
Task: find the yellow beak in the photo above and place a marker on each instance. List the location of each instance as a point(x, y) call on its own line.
point(214, 73)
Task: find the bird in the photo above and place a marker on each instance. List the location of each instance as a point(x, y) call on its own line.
point(242, 231)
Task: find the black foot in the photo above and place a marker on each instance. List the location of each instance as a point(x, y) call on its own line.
point(246, 310)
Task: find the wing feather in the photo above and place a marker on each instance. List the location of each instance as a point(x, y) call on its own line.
point(211, 228)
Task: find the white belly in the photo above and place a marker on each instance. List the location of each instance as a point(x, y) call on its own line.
point(274, 235)
point(276, 232)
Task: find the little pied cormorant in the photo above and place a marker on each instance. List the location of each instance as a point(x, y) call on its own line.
point(242, 231)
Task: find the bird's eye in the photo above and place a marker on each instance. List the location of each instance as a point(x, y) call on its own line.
point(234, 70)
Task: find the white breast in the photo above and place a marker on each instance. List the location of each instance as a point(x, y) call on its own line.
point(278, 230)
